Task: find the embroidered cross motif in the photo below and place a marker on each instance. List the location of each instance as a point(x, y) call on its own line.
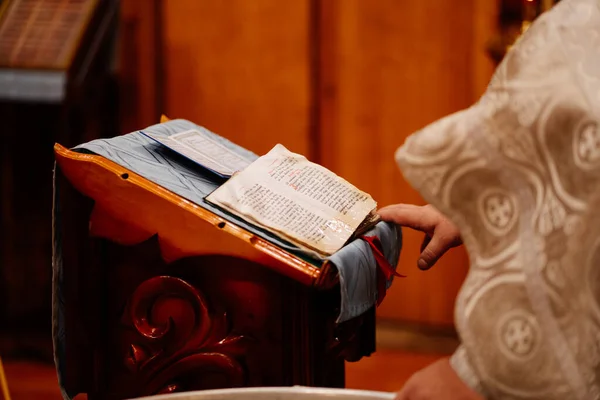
point(589, 144)
point(518, 336)
point(499, 210)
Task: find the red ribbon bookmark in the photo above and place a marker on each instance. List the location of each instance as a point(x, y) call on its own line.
point(384, 270)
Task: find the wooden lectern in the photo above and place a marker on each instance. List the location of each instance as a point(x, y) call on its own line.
point(161, 295)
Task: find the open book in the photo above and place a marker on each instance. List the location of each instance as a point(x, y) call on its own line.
point(283, 193)
point(301, 201)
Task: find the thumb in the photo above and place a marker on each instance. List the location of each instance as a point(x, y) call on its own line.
point(434, 248)
point(445, 236)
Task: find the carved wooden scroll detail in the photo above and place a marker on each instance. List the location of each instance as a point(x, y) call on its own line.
point(178, 344)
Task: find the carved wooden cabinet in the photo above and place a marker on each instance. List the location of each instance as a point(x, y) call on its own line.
point(160, 295)
point(57, 83)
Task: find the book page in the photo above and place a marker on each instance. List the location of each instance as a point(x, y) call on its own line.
point(286, 193)
point(204, 150)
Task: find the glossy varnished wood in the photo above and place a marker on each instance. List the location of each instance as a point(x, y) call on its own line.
point(184, 228)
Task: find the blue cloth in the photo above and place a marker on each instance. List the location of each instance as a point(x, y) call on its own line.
point(355, 262)
point(358, 270)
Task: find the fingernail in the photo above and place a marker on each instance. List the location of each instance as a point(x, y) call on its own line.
point(422, 264)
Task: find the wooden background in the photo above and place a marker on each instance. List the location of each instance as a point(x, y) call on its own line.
point(342, 81)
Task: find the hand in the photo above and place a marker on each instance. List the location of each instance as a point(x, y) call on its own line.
point(440, 234)
point(437, 381)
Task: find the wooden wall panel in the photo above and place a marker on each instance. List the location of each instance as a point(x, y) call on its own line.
point(485, 27)
point(389, 68)
point(139, 75)
point(241, 68)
